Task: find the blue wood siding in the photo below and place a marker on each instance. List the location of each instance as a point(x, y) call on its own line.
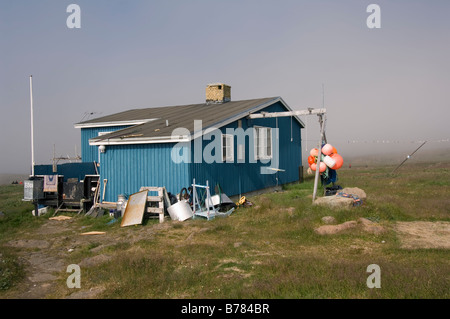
point(129, 167)
point(239, 178)
point(90, 153)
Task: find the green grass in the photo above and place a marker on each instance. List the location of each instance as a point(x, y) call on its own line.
point(11, 270)
point(17, 213)
point(269, 250)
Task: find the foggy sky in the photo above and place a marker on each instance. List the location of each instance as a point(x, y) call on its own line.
point(385, 88)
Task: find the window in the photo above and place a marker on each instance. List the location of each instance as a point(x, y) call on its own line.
point(227, 148)
point(263, 143)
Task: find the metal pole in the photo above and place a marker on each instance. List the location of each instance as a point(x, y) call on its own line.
point(323, 95)
point(408, 157)
point(316, 179)
point(194, 194)
point(207, 199)
point(32, 128)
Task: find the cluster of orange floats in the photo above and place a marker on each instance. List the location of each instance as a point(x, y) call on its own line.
point(329, 158)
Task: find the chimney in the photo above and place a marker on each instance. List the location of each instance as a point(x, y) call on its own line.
point(218, 93)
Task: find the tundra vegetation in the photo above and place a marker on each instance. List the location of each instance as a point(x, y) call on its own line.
point(268, 250)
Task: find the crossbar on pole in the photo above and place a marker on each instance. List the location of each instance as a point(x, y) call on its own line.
point(290, 113)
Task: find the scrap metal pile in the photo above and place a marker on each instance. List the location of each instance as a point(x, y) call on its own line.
point(192, 202)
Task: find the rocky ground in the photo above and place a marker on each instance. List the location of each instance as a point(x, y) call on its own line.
point(45, 254)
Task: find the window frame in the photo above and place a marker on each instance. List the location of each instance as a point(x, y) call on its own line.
point(227, 148)
point(261, 140)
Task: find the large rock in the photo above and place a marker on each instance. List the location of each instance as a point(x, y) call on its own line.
point(355, 191)
point(334, 201)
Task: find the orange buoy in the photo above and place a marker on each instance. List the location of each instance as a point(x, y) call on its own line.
point(327, 149)
point(313, 166)
point(334, 150)
point(311, 159)
point(322, 167)
point(314, 152)
point(338, 159)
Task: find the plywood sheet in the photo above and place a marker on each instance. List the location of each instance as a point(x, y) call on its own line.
point(134, 212)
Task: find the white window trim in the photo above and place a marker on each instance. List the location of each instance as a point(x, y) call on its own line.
point(258, 131)
point(229, 148)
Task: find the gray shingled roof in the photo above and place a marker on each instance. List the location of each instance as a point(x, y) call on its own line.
point(183, 116)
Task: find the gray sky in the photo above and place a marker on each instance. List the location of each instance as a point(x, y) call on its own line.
point(388, 84)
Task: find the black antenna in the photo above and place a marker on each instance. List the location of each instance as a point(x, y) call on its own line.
point(408, 157)
point(88, 114)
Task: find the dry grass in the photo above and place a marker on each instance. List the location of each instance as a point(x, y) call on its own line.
point(271, 249)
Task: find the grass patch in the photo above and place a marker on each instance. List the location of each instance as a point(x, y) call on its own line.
point(269, 250)
point(11, 270)
point(17, 213)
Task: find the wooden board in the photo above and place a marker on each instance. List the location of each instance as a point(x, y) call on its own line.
point(94, 233)
point(60, 217)
point(134, 212)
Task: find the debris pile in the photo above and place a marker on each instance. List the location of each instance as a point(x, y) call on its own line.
point(192, 202)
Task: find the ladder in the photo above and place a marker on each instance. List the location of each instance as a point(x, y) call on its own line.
point(155, 203)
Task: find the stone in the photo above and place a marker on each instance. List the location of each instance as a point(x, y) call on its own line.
point(355, 191)
point(29, 243)
point(334, 202)
point(329, 220)
point(334, 229)
point(371, 227)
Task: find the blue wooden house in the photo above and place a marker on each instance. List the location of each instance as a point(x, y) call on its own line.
point(213, 141)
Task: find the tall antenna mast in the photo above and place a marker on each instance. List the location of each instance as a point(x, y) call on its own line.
point(322, 139)
point(323, 95)
point(32, 128)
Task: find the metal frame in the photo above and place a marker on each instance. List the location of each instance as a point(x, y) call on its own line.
point(210, 213)
point(310, 111)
